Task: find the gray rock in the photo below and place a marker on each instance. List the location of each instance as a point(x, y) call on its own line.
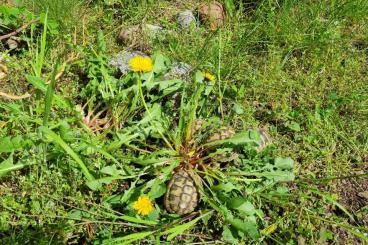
point(186, 19)
point(178, 70)
point(121, 60)
point(133, 34)
point(153, 30)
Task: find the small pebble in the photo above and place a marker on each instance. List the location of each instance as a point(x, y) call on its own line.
point(12, 43)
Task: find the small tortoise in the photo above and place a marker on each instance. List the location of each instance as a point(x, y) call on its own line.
point(182, 195)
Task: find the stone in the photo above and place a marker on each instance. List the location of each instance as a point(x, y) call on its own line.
point(137, 36)
point(121, 60)
point(186, 19)
point(179, 70)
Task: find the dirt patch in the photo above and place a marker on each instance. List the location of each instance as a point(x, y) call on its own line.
point(353, 193)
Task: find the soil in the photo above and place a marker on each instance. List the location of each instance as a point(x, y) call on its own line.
point(351, 193)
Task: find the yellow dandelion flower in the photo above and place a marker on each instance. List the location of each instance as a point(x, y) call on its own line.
point(143, 205)
point(208, 76)
point(141, 64)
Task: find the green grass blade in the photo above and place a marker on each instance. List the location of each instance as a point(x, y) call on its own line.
point(180, 229)
point(49, 95)
point(41, 55)
point(138, 221)
point(128, 239)
point(59, 141)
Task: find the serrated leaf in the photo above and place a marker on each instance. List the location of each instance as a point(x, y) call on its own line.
point(8, 166)
point(248, 227)
point(111, 170)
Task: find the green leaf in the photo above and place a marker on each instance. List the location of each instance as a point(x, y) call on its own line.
point(160, 62)
point(157, 190)
point(228, 236)
point(280, 176)
point(112, 170)
point(8, 166)
point(8, 10)
point(248, 227)
point(8, 144)
point(243, 206)
point(97, 183)
point(155, 112)
point(294, 126)
point(284, 163)
point(226, 187)
point(198, 77)
point(40, 84)
point(329, 198)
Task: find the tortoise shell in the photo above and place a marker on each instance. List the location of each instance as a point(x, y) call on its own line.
point(182, 195)
point(212, 13)
point(222, 134)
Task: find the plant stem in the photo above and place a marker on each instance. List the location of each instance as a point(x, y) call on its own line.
point(219, 78)
point(149, 113)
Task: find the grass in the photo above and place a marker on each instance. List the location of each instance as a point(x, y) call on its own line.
point(298, 68)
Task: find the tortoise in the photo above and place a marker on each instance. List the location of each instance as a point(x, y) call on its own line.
point(213, 14)
point(182, 194)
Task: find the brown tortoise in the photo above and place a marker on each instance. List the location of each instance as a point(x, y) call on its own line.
point(182, 195)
